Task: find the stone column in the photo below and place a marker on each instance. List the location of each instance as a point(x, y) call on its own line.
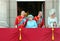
point(56, 6)
point(48, 6)
point(4, 13)
point(13, 12)
point(59, 11)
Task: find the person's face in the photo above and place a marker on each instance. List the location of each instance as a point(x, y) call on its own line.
point(23, 13)
point(53, 15)
point(40, 14)
point(30, 18)
point(54, 23)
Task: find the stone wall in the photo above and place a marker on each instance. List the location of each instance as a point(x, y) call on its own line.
point(13, 12)
point(59, 11)
point(8, 11)
point(4, 13)
point(48, 6)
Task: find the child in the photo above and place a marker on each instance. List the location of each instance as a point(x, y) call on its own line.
point(54, 25)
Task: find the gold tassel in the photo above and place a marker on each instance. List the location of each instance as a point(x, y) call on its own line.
point(52, 34)
point(20, 38)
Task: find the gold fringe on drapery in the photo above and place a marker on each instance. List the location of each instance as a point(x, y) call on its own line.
point(52, 34)
point(20, 38)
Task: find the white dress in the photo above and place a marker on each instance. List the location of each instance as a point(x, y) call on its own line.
point(51, 21)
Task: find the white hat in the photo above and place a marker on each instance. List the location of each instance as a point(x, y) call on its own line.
point(51, 12)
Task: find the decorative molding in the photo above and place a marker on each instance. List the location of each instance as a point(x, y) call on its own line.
point(30, 0)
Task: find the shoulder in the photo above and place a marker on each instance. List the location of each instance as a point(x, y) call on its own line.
point(55, 17)
point(34, 21)
point(24, 19)
point(35, 17)
point(18, 16)
point(49, 18)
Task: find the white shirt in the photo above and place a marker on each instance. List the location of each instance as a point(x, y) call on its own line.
point(51, 21)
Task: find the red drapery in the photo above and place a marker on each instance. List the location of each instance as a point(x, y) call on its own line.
point(9, 34)
point(39, 34)
point(36, 35)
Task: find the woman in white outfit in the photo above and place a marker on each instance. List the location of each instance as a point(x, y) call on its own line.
point(52, 18)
